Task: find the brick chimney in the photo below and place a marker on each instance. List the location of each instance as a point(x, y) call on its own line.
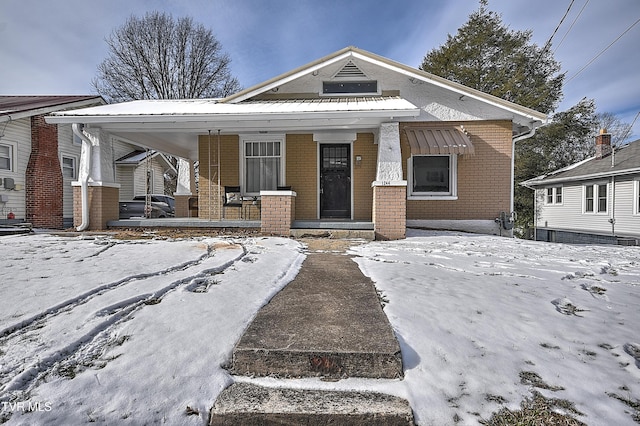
point(603, 144)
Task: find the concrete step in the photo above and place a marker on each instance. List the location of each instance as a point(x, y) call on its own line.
point(248, 404)
point(363, 234)
point(327, 322)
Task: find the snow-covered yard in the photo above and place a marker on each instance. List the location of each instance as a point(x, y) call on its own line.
point(137, 332)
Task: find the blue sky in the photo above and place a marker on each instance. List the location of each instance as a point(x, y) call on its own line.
point(54, 47)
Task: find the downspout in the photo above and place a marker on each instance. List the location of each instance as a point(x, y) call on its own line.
point(83, 175)
point(515, 139)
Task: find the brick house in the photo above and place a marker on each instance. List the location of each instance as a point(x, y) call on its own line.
point(352, 138)
point(38, 160)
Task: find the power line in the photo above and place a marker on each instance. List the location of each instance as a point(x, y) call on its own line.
point(603, 50)
point(548, 43)
point(572, 24)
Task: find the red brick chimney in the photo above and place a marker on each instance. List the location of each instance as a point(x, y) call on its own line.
point(43, 184)
point(603, 144)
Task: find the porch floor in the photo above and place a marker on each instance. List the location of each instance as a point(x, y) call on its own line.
point(299, 228)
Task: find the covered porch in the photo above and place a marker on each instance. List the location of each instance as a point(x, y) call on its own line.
point(280, 157)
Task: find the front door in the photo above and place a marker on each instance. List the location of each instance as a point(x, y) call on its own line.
point(335, 181)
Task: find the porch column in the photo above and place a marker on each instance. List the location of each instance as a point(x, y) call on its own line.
point(103, 191)
point(278, 209)
point(184, 188)
point(389, 189)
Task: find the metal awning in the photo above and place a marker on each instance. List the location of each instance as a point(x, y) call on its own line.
point(439, 140)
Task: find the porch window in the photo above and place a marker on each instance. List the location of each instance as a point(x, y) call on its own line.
point(6, 157)
point(262, 165)
point(433, 176)
point(596, 198)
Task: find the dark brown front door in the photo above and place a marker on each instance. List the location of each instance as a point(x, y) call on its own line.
point(335, 181)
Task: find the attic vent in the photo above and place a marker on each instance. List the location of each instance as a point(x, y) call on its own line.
point(350, 70)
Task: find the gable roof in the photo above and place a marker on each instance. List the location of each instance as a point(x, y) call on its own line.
point(139, 156)
point(624, 160)
point(16, 107)
point(354, 52)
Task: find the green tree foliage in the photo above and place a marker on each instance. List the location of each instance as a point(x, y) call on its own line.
point(569, 138)
point(486, 55)
point(159, 57)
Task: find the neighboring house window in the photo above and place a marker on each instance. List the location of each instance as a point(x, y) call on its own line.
point(69, 167)
point(554, 195)
point(595, 198)
point(263, 165)
point(6, 157)
point(636, 197)
point(433, 175)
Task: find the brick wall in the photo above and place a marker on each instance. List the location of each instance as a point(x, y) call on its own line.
point(103, 206)
point(43, 184)
point(278, 212)
point(363, 174)
point(389, 212)
point(209, 205)
point(302, 174)
point(484, 180)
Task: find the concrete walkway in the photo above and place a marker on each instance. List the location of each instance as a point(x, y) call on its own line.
point(327, 322)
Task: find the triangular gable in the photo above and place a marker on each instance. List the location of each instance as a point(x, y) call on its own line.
point(353, 55)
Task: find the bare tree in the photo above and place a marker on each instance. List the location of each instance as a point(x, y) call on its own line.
point(157, 57)
point(619, 130)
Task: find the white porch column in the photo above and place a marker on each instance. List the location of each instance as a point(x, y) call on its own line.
point(102, 192)
point(184, 190)
point(389, 189)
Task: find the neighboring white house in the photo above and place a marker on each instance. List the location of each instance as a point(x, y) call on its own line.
point(38, 161)
point(593, 201)
point(139, 171)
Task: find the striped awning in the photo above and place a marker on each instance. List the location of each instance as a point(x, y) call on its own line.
point(439, 140)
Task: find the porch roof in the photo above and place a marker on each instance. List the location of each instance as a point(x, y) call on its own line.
point(172, 126)
point(439, 140)
point(190, 110)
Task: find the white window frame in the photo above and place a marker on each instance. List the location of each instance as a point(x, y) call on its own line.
point(74, 160)
point(244, 139)
point(596, 198)
point(13, 150)
point(555, 191)
point(453, 180)
point(636, 196)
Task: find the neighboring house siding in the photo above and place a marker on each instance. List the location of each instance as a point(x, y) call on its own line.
point(570, 215)
point(17, 134)
point(483, 180)
point(140, 178)
point(68, 149)
point(124, 176)
point(627, 223)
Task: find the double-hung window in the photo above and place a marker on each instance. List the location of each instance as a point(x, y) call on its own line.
point(554, 195)
point(69, 167)
point(596, 198)
point(432, 176)
point(262, 164)
point(6, 157)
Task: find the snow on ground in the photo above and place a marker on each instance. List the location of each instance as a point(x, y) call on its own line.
point(138, 332)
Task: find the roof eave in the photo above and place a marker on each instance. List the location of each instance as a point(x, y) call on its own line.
point(536, 182)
